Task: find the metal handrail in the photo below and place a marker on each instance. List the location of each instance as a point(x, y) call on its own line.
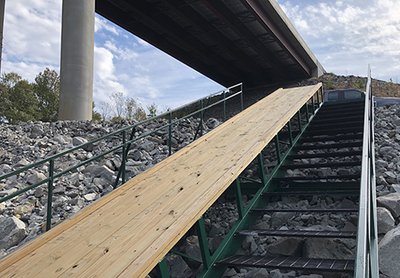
point(366, 263)
point(227, 94)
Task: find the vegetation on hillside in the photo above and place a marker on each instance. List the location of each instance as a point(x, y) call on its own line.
point(379, 88)
point(22, 101)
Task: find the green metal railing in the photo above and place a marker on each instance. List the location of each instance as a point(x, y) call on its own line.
point(366, 263)
point(127, 137)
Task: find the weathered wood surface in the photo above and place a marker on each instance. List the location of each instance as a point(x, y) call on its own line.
point(127, 232)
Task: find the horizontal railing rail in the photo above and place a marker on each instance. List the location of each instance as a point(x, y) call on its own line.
point(366, 263)
point(173, 117)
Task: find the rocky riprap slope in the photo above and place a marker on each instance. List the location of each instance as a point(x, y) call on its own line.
point(387, 153)
point(23, 218)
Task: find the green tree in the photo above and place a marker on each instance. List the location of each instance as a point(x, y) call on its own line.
point(17, 98)
point(47, 90)
point(153, 109)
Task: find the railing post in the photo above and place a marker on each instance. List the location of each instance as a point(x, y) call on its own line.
point(261, 168)
point(124, 154)
point(307, 116)
point(312, 105)
point(299, 120)
point(201, 117)
point(241, 97)
point(169, 133)
point(50, 195)
point(224, 105)
point(277, 148)
point(203, 243)
point(239, 199)
point(290, 133)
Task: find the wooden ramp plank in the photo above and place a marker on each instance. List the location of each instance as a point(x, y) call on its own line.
point(127, 232)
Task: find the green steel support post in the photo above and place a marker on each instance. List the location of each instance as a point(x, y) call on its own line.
point(290, 133)
point(124, 153)
point(203, 242)
point(312, 105)
point(239, 199)
point(318, 102)
point(261, 168)
point(162, 269)
point(169, 133)
point(278, 149)
point(307, 116)
point(299, 120)
point(50, 195)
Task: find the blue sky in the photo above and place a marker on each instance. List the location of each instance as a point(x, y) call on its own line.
point(344, 35)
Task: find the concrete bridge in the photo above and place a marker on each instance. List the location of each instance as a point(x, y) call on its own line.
point(249, 41)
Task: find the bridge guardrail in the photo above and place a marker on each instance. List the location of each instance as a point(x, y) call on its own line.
point(127, 136)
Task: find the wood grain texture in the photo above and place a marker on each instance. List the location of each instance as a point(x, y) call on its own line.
point(127, 232)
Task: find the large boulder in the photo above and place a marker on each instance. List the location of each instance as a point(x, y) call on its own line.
point(389, 253)
point(391, 202)
point(286, 247)
point(385, 220)
point(178, 267)
point(12, 231)
point(326, 249)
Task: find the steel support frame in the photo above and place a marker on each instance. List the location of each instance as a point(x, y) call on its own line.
point(231, 243)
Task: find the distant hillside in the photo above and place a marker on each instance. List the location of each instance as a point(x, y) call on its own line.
point(379, 87)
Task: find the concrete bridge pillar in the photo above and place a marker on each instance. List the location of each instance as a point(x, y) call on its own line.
point(77, 50)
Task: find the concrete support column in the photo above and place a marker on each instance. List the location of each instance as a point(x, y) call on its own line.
point(77, 51)
point(2, 7)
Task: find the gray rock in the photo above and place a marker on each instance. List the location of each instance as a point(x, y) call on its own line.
point(389, 253)
point(391, 202)
point(249, 244)
point(178, 267)
point(286, 247)
point(258, 273)
point(22, 162)
point(385, 220)
point(90, 197)
point(36, 131)
point(35, 177)
point(12, 231)
point(276, 273)
point(77, 141)
point(326, 249)
point(212, 123)
point(280, 218)
point(192, 247)
point(39, 192)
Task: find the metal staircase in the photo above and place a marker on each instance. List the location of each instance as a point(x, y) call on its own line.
point(340, 136)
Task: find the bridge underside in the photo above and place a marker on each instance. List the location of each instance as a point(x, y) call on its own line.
point(249, 41)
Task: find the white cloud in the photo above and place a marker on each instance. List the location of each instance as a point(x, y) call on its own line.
point(347, 35)
point(102, 24)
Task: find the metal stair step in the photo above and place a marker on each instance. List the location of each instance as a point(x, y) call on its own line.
point(329, 146)
point(319, 210)
point(318, 184)
point(336, 119)
point(340, 177)
point(322, 165)
point(347, 130)
point(289, 263)
point(331, 154)
point(331, 138)
point(299, 233)
point(337, 124)
point(312, 193)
